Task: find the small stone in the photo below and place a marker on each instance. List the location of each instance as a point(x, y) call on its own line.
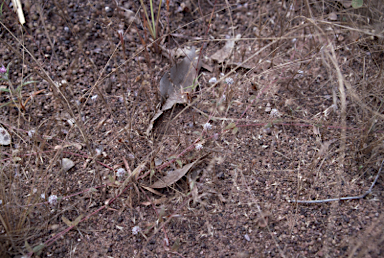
point(5, 137)
point(67, 164)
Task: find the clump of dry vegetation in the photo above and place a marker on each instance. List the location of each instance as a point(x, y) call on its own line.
point(191, 128)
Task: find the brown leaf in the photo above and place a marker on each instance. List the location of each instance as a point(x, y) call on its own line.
point(180, 79)
point(152, 190)
point(175, 83)
point(173, 176)
point(72, 223)
point(224, 53)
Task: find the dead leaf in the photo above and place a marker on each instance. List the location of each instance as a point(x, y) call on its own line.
point(152, 190)
point(173, 176)
point(72, 223)
point(138, 169)
point(154, 118)
point(234, 65)
point(176, 83)
point(172, 54)
point(223, 54)
point(180, 78)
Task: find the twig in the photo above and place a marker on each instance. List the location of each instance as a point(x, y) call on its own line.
point(344, 198)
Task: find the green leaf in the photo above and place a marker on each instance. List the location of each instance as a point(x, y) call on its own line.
point(235, 130)
point(28, 82)
point(6, 104)
point(194, 84)
point(4, 90)
point(230, 126)
point(357, 3)
point(1, 8)
point(37, 249)
point(172, 157)
point(8, 66)
point(179, 162)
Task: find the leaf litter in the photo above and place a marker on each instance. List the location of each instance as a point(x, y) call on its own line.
point(224, 53)
point(174, 176)
point(175, 84)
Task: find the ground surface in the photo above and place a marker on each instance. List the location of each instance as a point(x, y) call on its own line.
point(287, 143)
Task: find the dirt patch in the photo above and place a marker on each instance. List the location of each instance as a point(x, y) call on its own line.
point(294, 113)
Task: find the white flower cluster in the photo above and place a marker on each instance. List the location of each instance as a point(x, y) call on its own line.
point(207, 126)
point(229, 80)
point(52, 199)
point(121, 172)
point(135, 230)
point(274, 113)
point(199, 146)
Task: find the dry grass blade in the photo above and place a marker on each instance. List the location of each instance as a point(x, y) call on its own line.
point(291, 110)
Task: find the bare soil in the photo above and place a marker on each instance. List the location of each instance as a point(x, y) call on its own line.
point(278, 132)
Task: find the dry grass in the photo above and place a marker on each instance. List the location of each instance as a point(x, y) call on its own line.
point(315, 71)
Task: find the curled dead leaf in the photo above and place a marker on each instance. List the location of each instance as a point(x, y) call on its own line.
point(177, 83)
point(173, 176)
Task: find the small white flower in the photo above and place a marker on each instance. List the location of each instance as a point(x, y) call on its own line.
point(212, 80)
point(268, 108)
point(198, 146)
point(52, 199)
point(1, 202)
point(246, 236)
point(135, 230)
point(31, 133)
point(98, 151)
point(229, 80)
point(42, 196)
point(294, 40)
point(274, 113)
point(121, 172)
point(94, 97)
point(207, 126)
point(223, 98)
